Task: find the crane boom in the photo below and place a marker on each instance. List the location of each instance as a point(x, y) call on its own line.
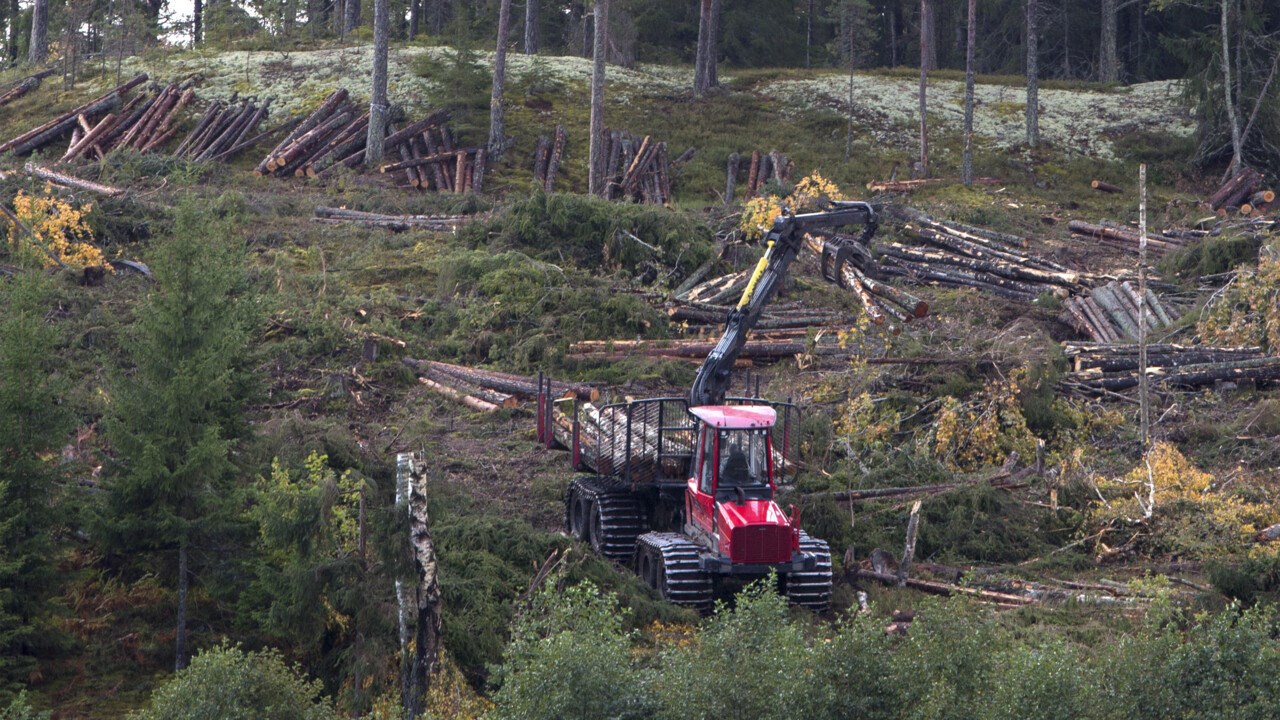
point(782, 244)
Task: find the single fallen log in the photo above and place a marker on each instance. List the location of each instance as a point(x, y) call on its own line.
point(25, 85)
point(946, 589)
point(910, 185)
point(1106, 187)
point(71, 181)
point(472, 402)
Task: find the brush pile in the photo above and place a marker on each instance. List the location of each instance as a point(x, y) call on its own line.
point(1106, 367)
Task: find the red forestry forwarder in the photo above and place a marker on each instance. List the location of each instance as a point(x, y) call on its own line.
point(683, 489)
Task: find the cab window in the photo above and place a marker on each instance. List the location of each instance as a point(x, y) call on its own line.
point(708, 459)
point(744, 458)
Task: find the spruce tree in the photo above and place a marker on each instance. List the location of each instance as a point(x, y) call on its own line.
point(31, 427)
point(178, 411)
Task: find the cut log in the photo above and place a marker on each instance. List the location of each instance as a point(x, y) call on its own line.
point(474, 403)
point(1106, 187)
point(71, 181)
point(437, 158)
point(52, 130)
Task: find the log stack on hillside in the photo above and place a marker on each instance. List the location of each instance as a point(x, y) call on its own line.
point(84, 118)
point(431, 161)
point(636, 168)
point(1108, 368)
point(760, 168)
point(489, 390)
point(334, 135)
point(547, 158)
point(1242, 193)
point(1109, 313)
point(225, 130)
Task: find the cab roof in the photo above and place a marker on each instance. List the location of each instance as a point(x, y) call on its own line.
point(736, 417)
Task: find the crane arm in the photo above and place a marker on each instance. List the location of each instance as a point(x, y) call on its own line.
point(782, 244)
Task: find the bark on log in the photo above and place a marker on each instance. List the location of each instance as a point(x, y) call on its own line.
point(70, 181)
point(1106, 187)
point(319, 115)
point(53, 129)
point(437, 158)
point(474, 403)
point(731, 178)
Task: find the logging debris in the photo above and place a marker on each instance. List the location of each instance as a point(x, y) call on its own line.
point(1122, 238)
point(636, 168)
point(1110, 313)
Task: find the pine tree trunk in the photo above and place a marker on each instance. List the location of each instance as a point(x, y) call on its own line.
point(1237, 149)
point(497, 124)
point(893, 38)
point(531, 27)
point(808, 36)
point(596, 154)
point(350, 16)
point(1033, 74)
point(972, 33)
point(701, 79)
point(39, 49)
point(929, 30)
point(13, 32)
point(923, 169)
point(1109, 64)
point(180, 635)
point(713, 44)
point(378, 100)
point(197, 21)
point(415, 18)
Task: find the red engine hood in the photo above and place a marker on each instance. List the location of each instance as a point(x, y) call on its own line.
point(754, 532)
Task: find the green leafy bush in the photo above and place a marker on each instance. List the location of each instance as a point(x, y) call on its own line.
point(227, 683)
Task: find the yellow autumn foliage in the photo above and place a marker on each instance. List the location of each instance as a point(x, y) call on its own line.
point(1248, 311)
point(984, 429)
point(59, 227)
point(759, 213)
point(1194, 514)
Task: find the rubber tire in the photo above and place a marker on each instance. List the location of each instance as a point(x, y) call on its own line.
point(579, 517)
point(595, 527)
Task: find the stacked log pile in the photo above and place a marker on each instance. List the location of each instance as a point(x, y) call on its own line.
point(24, 86)
point(144, 123)
point(226, 129)
point(760, 168)
point(1110, 313)
point(547, 157)
point(956, 255)
point(636, 169)
point(431, 161)
point(334, 135)
point(84, 119)
point(395, 223)
point(879, 300)
point(1242, 193)
point(1107, 368)
point(488, 390)
point(1120, 238)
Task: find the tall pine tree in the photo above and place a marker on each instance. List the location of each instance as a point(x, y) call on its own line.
point(31, 427)
point(178, 411)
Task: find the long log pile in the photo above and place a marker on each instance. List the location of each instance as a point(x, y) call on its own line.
point(1110, 313)
point(89, 115)
point(957, 255)
point(144, 123)
point(488, 390)
point(636, 168)
point(760, 168)
point(395, 223)
point(1120, 238)
point(24, 86)
point(1107, 368)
